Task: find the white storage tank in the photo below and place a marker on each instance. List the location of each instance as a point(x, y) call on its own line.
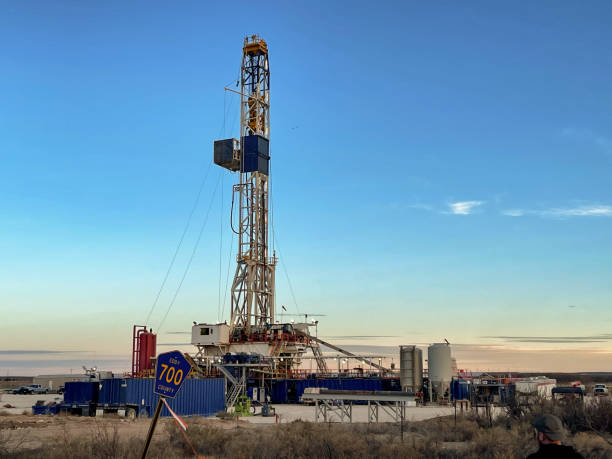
point(440, 369)
point(411, 368)
point(439, 362)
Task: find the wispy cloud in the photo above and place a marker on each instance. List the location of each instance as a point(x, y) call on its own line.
point(513, 212)
point(451, 208)
point(581, 211)
point(360, 336)
point(34, 351)
point(464, 207)
point(604, 337)
point(596, 210)
point(421, 206)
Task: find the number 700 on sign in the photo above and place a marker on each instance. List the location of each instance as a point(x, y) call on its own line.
point(172, 375)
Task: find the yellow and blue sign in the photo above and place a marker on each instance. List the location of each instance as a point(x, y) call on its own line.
point(170, 373)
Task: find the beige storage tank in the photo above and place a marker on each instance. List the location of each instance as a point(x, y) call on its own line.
point(440, 369)
point(411, 368)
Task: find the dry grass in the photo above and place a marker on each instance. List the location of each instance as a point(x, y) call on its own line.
point(441, 437)
point(509, 437)
point(11, 444)
point(295, 440)
point(594, 415)
point(101, 442)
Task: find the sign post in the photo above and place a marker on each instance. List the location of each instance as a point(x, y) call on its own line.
point(171, 371)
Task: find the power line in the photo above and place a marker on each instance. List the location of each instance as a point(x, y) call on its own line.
point(193, 252)
point(285, 269)
point(220, 252)
point(229, 259)
point(195, 205)
point(180, 243)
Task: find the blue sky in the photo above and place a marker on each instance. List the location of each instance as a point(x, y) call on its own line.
point(439, 170)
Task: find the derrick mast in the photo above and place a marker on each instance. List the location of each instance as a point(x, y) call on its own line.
point(252, 293)
point(277, 348)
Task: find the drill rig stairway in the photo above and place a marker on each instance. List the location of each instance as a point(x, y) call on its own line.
point(319, 356)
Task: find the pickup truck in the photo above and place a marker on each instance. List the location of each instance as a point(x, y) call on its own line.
point(38, 389)
point(23, 390)
point(31, 389)
point(600, 390)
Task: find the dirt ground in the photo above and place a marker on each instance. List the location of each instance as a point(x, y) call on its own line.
point(30, 432)
point(25, 431)
point(23, 402)
point(286, 413)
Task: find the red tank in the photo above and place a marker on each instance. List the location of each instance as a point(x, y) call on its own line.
point(148, 343)
point(144, 350)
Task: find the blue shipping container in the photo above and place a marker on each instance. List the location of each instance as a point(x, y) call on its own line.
point(112, 392)
point(80, 392)
point(197, 397)
point(279, 392)
point(460, 389)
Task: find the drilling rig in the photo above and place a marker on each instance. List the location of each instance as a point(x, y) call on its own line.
point(252, 297)
point(252, 328)
point(254, 347)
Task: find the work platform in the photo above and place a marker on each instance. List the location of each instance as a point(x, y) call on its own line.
point(340, 403)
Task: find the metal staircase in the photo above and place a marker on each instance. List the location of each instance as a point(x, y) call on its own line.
point(382, 369)
point(318, 355)
point(277, 348)
point(234, 393)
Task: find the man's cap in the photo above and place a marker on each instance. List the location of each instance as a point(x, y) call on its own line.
point(551, 426)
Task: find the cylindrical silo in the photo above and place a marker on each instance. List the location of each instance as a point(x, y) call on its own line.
point(411, 368)
point(439, 364)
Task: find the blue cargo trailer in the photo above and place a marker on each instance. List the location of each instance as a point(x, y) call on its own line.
point(197, 397)
point(80, 397)
point(81, 392)
point(112, 393)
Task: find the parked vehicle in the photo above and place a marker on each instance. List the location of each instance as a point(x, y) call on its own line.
point(23, 390)
point(38, 389)
point(31, 389)
point(600, 390)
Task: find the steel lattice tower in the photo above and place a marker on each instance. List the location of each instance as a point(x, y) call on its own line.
point(252, 294)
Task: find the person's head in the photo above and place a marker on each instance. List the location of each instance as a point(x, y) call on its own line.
point(549, 429)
